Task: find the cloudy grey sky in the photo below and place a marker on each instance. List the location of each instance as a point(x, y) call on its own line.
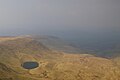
point(51, 16)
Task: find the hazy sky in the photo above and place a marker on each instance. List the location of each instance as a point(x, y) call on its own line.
point(52, 16)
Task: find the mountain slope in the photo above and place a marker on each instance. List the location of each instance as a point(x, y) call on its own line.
point(58, 44)
point(53, 64)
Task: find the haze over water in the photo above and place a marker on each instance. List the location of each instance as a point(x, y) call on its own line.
point(93, 24)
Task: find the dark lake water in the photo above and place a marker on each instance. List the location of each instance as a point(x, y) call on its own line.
point(30, 65)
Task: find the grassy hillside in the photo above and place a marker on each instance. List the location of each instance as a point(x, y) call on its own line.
point(53, 64)
point(58, 44)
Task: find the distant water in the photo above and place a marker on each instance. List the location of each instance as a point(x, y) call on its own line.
point(103, 41)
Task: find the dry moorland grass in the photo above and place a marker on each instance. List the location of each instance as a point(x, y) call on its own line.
point(54, 65)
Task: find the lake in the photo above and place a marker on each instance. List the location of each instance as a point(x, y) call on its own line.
point(30, 65)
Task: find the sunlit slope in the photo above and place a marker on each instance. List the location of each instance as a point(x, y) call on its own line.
point(53, 64)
